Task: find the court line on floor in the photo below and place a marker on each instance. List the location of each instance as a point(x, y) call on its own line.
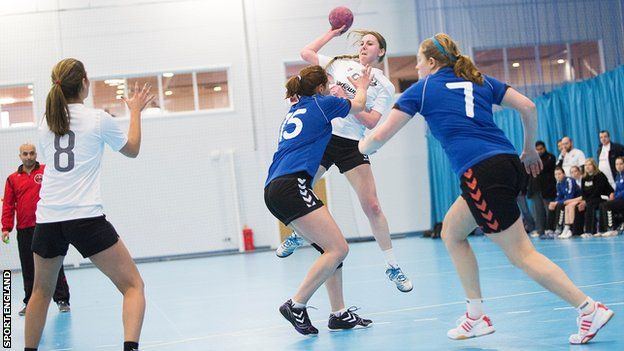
point(607, 304)
point(243, 332)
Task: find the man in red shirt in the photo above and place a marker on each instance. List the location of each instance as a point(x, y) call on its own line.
point(21, 195)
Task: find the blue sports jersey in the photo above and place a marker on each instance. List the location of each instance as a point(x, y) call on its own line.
point(304, 134)
point(459, 115)
point(619, 186)
point(567, 189)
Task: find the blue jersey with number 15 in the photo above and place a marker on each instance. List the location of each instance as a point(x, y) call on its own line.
point(459, 115)
point(304, 134)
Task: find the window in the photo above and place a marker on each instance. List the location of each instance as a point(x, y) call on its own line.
point(402, 71)
point(174, 92)
point(213, 90)
point(16, 106)
point(535, 70)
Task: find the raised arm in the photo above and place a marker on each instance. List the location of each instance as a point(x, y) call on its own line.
point(358, 103)
point(136, 104)
point(528, 114)
point(310, 52)
point(378, 137)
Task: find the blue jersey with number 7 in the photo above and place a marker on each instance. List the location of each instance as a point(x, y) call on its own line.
point(459, 115)
point(304, 134)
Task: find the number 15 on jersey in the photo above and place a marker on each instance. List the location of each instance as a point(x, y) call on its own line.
point(291, 118)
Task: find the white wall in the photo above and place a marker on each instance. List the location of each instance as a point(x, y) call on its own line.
point(177, 197)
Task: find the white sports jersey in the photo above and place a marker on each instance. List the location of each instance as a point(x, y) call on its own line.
point(71, 186)
point(379, 96)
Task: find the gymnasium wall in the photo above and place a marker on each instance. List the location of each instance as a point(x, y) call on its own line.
point(199, 177)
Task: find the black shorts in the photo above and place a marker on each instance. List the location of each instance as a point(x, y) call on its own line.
point(88, 235)
point(291, 196)
point(490, 188)
point(344, 153)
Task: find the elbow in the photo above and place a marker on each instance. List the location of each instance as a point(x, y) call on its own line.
point(306, 55)
point(529, 108)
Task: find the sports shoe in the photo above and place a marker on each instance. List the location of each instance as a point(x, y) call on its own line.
point(590, 324)
point(609, 233)
point(566, 234)
point(596, 235)
point(347, 320)
point(63, 306)
point(298, 317)
point(548, 234)
point(471, 328)
point(22, 312)
point(586, 236)
point(534, 234)
point(395, 274)
point(288, 246)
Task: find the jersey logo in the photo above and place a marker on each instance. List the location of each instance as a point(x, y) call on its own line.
point(38, 178)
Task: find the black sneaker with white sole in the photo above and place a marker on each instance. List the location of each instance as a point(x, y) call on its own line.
point(348, 320)
point(298, 317)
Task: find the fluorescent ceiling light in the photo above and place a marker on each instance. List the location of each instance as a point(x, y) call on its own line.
point(515, 64)
point(217, 88)
point(168, 75)
point(168, 92)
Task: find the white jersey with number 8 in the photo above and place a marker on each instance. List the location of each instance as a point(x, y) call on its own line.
point(71, 184)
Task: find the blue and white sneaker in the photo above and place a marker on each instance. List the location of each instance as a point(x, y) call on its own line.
point(288, 246)
point(395, 274)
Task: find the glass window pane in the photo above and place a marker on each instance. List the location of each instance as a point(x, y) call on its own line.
point(292, 69)
point(213, 90)
point(523, 73)
point(585, 60)
point(154, 107)
point(403, 71)
point(16, 106)
point(107, 95)
point(178, 92)
point(490, 62)
point(555, 68)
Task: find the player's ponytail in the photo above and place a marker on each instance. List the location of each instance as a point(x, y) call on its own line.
point(67, 76)
point(444, 50)
point(307, 82)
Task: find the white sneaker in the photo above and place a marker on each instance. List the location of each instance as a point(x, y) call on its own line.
point(596, 235)
point(590, 324)
point(567, 234)
point(534, 234)
point(610, 233)
point(288, 246)
point(471, 328)
point(586, 236)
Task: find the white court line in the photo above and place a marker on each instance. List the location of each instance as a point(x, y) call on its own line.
point(242, 332)
point(518, 312)
point(607, 304)
point(425, 319)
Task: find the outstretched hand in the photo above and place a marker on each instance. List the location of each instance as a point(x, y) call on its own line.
point(364, 80)
point(140, 98)
point(337, 32)
point(532, 162)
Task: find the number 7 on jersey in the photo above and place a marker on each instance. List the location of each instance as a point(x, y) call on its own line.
point(468, 97)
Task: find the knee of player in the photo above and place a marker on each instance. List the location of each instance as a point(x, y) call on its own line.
point(342, 250)
point(521, 258)
point(372, 207)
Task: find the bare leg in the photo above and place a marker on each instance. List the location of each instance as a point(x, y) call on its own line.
point(334, 290)
point(46, 274)
point(522, 254)
point(319, 227)
point(362, 180)
point(118, 265)
point(457, 225)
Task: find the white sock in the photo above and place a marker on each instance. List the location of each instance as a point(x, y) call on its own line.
point(566, 227)
point(587, 307)
point(339, 312)
point(474, 307)
point(390, 259)
point(298, 305)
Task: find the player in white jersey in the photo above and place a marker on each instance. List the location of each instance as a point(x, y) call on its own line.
point(342, 149)
point(71, 140)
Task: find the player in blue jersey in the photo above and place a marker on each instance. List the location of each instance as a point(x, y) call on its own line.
point(288, 193)
point(456, 101)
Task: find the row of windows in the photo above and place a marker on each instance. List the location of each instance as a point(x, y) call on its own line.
point(531, 69)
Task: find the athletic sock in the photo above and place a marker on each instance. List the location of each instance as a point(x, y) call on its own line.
point(298, 305)
point(131, 346)
point(390, 260)
point(566, 227)
point(587, 307)
point(339, 312)
point(474, 307)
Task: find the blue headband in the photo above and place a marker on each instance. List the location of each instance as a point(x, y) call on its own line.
point(441, 49)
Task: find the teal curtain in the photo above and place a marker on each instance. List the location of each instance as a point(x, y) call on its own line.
point(579, 110)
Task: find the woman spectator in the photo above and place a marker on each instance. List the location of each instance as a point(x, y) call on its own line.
point(596, 189)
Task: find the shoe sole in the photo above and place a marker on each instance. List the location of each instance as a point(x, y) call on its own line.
point(588, 338)
point(462, 337)
point(285, 314)
point(283, 256)
point(354, 328)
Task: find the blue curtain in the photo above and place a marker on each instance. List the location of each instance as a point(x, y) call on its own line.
point(578, 110)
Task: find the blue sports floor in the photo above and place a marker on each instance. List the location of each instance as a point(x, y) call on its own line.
point(230, 302)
